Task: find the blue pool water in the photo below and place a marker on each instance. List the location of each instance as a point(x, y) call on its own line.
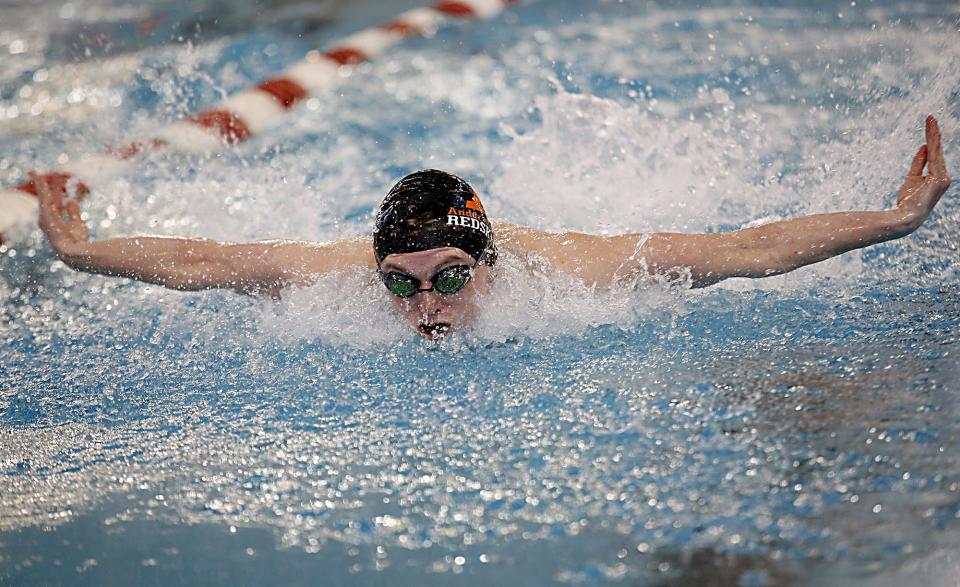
point(802, 429)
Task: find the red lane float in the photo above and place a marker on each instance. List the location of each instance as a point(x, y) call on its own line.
point(250, 111)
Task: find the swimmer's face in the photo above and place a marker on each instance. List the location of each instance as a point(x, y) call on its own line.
point(432, 313)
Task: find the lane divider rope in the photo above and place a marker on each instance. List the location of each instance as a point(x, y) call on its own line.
point(248, 112)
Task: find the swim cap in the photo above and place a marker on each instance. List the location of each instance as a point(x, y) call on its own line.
point(430, 209)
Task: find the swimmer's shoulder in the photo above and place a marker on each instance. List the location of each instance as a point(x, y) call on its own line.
point(524, 239)
point(532, 244)
point(519, 238)
point(595, 259)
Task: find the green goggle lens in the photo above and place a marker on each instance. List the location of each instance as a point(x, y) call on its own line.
point(447, 281)
point(451, 280)
point(401, 287)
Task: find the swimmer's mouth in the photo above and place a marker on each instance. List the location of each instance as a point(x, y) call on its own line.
point(438, 330)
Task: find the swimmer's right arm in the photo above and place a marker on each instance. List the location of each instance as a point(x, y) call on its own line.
point(193, 264)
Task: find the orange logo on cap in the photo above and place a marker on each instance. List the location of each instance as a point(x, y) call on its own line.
point(474, 204)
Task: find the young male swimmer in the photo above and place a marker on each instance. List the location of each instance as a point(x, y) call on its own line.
point(434, 248)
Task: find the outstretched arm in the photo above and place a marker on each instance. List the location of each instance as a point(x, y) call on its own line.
point(760, 251)
point(192, 264)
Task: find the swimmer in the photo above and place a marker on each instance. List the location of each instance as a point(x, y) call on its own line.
point(433, 246)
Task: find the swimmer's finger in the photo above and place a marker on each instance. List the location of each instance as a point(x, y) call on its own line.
point(77, 227)
point(938, 167)
point(50, 220)
point(40, 184)
point(73, 210)
point(919, 160)
point(45, 194)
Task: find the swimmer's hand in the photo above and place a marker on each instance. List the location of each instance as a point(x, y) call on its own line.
point(920, 193)
point(60, 217)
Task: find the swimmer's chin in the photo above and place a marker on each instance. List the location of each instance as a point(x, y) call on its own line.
point(435, 331)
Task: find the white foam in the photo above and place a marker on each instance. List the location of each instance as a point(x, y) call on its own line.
point(17, 209)
point(599, 166)
point(530, 298)
point(350, 308)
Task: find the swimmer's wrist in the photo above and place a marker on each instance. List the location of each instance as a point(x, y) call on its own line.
point(902, 220)
point(71, 251)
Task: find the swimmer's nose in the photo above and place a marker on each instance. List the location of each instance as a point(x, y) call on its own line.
point(429, 303)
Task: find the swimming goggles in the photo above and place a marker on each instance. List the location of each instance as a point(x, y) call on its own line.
point(446, 281)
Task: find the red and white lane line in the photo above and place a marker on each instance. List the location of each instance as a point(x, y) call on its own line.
point(251, 111)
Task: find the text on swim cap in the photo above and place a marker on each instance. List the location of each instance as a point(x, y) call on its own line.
point(474, 223)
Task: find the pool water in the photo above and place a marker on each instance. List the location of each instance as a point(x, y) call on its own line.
point(802, 429)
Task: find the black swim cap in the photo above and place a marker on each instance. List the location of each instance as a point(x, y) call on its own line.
point(430, 209)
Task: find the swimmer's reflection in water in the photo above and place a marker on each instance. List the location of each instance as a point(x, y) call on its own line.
point(433, 246)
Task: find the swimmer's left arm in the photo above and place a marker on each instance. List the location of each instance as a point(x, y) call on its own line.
point(779, 247)
point(762, 251)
